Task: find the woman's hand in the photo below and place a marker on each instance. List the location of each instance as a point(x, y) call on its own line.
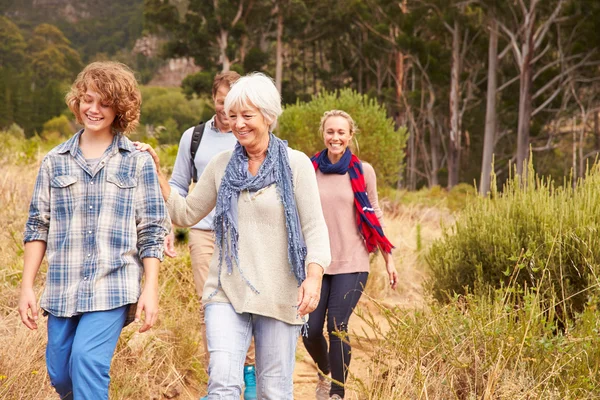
point(392, 273)
point(146, 147)
point(164, 184)
point(309, 292)
point(170, 245)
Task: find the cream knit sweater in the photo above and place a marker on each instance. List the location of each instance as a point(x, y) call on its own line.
point(262, 239)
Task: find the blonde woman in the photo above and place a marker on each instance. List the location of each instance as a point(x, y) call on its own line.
point(348, 192)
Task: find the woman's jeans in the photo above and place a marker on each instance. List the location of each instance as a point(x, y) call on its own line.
point(339, 295)
point(228, 335)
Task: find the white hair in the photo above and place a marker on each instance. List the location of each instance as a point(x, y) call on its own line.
point(255, 90)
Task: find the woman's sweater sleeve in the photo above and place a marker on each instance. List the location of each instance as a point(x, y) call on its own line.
point(310, 211)
point(371, 183)
point(189, 210)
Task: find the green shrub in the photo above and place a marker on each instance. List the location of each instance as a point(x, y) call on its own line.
point(379, 142)
point(57, 128)
point(170, 109)
point(199, 83)
point(533, 233)
point(16, 149)
point(488, 345)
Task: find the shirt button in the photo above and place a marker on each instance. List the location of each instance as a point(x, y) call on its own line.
point(91, 183)
point(91, 207)
point(89, 255)
point(85, 278)
point(90, 232)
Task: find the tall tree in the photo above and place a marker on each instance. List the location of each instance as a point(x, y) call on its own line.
point(528, 32)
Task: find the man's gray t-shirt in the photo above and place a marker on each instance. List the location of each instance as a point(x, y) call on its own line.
point(213, 142)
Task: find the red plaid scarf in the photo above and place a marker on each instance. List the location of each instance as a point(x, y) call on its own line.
point(368, 223)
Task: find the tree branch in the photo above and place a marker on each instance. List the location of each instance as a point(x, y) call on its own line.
point(238, 15)
point(541, 32)
point(513, 43)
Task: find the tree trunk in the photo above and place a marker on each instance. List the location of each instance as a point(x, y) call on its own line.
point(314, 67)
point(490, 111)
point(597, 129)
point(222, 41)
point(525, 81)
point(434, 141)
point(304, 69)
point(454, 143)
point(574, 164)
point(279, 56)
point(399, 76)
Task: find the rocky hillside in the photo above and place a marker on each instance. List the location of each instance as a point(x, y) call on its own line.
point(73, 11)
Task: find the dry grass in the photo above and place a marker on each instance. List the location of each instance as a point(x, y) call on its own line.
point(167, 362)
point(405, 345)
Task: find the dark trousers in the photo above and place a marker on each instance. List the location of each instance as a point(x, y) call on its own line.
point(339, 295)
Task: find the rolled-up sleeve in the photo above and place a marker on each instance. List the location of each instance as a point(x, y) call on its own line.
point(38, 222)
point(152, 218)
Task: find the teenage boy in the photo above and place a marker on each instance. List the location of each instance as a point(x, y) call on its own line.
point(98, 215)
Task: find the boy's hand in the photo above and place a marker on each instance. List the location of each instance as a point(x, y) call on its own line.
point(148, 302)
point(27, 301)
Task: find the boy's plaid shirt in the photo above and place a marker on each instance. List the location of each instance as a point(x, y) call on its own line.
point(98, 225)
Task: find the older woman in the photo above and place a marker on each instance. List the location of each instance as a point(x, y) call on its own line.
point(272, 244)
point(348, 191)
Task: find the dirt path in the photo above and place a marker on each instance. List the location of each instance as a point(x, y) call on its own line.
point(305, 373)
point(409, 294)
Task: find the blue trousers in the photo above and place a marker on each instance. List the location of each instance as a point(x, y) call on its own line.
point(228, 335)
point(339, 295)
point(80, 350)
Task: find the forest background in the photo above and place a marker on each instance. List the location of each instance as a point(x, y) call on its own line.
point(468, 78)
point(499, 292)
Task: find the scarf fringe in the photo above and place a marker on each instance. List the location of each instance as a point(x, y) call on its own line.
point(275, 169)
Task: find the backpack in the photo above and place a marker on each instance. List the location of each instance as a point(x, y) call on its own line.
point(196, 139)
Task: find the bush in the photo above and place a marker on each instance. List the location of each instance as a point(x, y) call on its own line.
point(57, 128)
point(170, 109)
point(534, 234)
point(490, 345)
point(379, 142)
point(199, 83)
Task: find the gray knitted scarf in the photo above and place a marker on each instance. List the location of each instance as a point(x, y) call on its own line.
point(274, 169)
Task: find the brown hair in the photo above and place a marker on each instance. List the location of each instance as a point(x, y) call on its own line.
point(117, 87)
point(338, 113)
point(226, 78)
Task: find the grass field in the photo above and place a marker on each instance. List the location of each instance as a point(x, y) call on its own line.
point(484, 345)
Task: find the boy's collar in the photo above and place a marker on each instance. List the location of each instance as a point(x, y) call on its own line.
point(72, 144)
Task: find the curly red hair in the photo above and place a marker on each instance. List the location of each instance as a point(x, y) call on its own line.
point(117, 87)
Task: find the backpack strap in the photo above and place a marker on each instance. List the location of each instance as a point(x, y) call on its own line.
point(196, 139)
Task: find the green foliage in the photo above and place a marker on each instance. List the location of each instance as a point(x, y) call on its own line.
point(490, 342)
point(57, 128)
point(534, 233)
point(379, 143)
point(52, 57)
point(12, 45)
point(169, 112)
point(16, 149)
point(255, 60)
point(199, 83)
